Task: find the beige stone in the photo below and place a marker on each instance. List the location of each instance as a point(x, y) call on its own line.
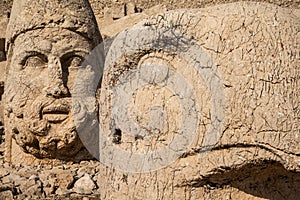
point(6, 195)
point(252, 50)
point(84, 185)
point(130, 8)
point(111, 29)
point(46, 43)
point(57, 178)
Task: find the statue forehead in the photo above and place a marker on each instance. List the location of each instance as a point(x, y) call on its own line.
point(76, 15)
point(51, 34)
point(51, 38)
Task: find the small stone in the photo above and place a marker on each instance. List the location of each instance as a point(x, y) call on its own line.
point(57, 178)
point(6, 195)
point(48, 190)
point(62, 192)
point(85, 170)
point(13, 178)
point(130, 8)
point(26, 172)
point(35, 190)
point(84, 185)
point(27, 184)
point(66, 167)
point(34, 177)
point(3, 172)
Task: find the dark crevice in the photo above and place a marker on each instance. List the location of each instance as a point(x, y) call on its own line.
point(265, 179)
point(232, 146)
point(117, 136)
point(1, 89)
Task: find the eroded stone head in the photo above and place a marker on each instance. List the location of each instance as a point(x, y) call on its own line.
point(46, 44)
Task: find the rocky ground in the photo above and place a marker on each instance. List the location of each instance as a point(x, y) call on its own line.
point(84, 180)
point(73, 181)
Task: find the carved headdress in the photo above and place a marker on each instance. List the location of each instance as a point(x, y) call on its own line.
point(74, 15)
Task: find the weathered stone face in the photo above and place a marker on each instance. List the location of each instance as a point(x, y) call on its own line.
point(46, 43)
point(41, 72)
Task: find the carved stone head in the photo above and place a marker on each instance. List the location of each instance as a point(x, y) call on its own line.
point(46, 44)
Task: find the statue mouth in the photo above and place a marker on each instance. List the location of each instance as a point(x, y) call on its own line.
point(56, 113)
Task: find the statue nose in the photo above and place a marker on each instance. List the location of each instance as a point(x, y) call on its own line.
point(57, 91)
point(56, 85)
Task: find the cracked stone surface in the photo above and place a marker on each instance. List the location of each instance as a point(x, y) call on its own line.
point(254, 47)
point(46, 43)
point(251, 49)
point(265, 181)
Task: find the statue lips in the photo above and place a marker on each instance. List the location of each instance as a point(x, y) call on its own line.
point(56, 113)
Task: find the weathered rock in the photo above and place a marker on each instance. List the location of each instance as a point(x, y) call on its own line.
point(41, 124)
point(57, 178)
point(62, 192)
point(6, 195)
point(130, 8)
point(84, 185)
point(228, 72)
point(112, 28)
point(27, 172)
point(32, 188)
point(255, 48)
point(4, 172)
point(13, 178)
point(90, 170)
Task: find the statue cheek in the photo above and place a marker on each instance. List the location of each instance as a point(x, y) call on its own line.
point(31, 82)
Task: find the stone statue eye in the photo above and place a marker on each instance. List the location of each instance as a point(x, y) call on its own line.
point(73, 61)
point(35, 61)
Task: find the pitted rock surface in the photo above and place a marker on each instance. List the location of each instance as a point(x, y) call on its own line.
point(45, 43)
point(255, 49)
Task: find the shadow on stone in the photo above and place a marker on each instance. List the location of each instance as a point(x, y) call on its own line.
point(267, 180)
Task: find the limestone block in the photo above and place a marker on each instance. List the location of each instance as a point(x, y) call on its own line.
point(130, 8)
point(84, 185)
point(222, 81)
point(110, 28)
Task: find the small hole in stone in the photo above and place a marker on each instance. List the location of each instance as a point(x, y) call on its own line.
point(117, 137)
point(138, 137)
point(35, 124)
point(15, 131)
point(20, 116)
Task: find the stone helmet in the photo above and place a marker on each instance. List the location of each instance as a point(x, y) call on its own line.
point(74, 15)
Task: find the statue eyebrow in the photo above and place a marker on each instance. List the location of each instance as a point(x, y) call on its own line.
point(78, 52)
point(28, 54)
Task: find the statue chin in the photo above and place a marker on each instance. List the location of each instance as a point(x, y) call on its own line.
point(47, 139)
point(48, 127)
